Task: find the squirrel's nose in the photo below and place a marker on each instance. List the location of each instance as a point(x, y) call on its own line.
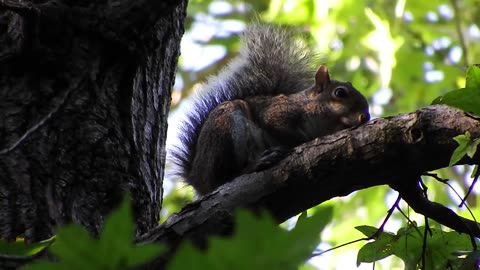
point(364, 117)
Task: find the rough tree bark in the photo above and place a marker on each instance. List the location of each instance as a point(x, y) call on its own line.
point(84, 97)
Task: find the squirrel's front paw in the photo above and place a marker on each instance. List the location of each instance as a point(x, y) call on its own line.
point(270, 157)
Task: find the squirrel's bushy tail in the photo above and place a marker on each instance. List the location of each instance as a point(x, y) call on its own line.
point(271, 61)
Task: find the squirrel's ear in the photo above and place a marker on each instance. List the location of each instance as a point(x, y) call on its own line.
point(322, 78)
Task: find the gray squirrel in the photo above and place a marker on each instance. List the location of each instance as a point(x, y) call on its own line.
point(270, 98)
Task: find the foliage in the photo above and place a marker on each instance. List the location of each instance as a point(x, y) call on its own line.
point(402, 54)
point(20, 248)
point(466, 146)
point(175, 200)
point(76, 249)
point(409, 244)
point(468, 98)
point(258, 243)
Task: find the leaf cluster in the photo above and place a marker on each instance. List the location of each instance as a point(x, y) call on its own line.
point(418, 247)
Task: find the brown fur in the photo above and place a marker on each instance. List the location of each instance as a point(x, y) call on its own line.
point(237, 132)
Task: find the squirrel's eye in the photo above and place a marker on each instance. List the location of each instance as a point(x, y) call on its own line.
point(340, 92)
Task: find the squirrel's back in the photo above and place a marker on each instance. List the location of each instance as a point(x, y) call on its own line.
point(271, 61)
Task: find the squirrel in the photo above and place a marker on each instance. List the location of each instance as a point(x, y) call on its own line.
point(263, 101)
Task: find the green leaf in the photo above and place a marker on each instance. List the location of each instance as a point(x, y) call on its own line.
point(116, 241)
point(441, 247)
point(75, 247)
point(115, 249)
point(188, 257)
point(143, 253)
point(307, 267)
point(44, 266)
point(408, 245)
point(368, 231)
point(473, 78)
point(461, 149)
point(306, 234)
point(468, 98)
point(117, 235)
point(21, 248)
point(258, 243)
point(302, 217)
point(472, 148)
point(465, 147)
point(376, 250)
point(474, 171)
point(439, 250)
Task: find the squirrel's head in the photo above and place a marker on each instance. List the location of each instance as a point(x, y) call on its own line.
point(343, 102)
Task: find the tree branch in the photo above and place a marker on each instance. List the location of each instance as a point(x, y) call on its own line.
point(412, 194)
point(384, 151)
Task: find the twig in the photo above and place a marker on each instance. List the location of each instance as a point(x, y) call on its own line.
point(339, 246)
point(373, 236)
point(413, 195)
point(387, 217)
point(470, 188)
point(424, 244)
point(445, 181)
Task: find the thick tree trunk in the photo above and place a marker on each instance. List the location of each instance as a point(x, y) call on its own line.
point(84, 97)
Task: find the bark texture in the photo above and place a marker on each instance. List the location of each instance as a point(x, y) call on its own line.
point(84, 98)
point(391, 151)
